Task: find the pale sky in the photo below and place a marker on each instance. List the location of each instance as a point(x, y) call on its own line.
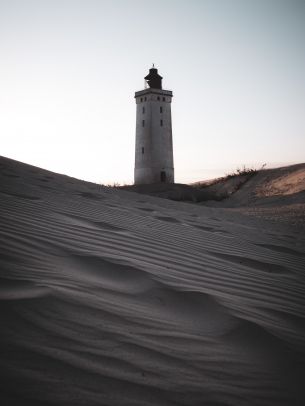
point(69, 70)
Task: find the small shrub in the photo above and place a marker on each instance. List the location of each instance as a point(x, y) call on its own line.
point(241, 172)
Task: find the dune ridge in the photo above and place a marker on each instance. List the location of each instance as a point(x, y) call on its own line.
point(108, 297)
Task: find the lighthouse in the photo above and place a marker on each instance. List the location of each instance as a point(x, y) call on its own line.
point(154, 162)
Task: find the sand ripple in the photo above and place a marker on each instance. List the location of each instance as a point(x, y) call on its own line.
point(106, 299)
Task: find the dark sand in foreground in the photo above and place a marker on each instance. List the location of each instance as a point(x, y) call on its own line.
point(109, 297)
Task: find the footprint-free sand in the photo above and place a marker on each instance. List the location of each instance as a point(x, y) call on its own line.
point(108, 297)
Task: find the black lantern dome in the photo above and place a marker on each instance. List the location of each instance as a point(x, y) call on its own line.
point(153, 79)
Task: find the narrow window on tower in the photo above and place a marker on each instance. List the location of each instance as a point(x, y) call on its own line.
point(143, 110)
point(141, 99)
point(143, 123)
point(158, 98)
point(163, 98)
point(145, 98)
point(161, 123)
point(142, 150)
point(161, 109)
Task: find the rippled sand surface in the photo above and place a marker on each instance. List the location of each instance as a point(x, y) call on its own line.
point(110, 298)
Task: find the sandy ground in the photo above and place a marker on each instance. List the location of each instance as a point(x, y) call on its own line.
point(277, 195)
point(109, 297)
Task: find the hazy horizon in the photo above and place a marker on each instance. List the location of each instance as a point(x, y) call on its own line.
point(70, 69)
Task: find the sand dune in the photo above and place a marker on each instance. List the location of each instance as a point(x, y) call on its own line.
point(108, 297)
point(274, 194)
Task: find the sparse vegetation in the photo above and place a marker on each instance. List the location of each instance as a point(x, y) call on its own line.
point(217, 189)
point(221, 188)
point(111, 185)
point(241, 172)
point(114, 185)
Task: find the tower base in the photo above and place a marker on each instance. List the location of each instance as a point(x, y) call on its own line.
point(144, 176)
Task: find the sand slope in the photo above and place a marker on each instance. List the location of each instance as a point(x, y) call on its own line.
point(108, 297)
point(270, 185)
point(274, 194)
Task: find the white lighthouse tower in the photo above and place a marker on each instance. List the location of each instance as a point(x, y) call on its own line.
point(154, 161)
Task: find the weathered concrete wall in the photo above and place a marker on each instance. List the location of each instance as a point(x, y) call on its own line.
point(154, 145)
